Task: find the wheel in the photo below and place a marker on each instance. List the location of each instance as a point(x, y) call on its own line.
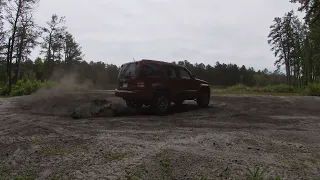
point(132, 104)
point(161, 103)
point(203, 100)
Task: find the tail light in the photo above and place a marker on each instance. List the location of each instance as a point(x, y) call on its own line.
point(140, 84)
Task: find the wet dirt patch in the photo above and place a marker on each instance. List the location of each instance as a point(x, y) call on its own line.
point(74, 105)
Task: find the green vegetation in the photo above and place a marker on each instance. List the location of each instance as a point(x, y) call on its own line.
point(267, 90)
point(256, 174)
point(24, 177)
point(204, 178)
point(27, 87)
point(36, 142)
point(135, 175)
point(282, 88)
point(165, 164)
point(312, 90)
point(239, 88)
point(115, 156)
point(28, 175)
point(4, 172)
point(276, 90)
point(259, 174)
point(59, 177)
point(295, 43)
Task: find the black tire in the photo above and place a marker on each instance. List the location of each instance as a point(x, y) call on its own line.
point(161, 103)
point(203, 100)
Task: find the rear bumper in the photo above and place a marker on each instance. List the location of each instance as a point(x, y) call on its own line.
point(133, 95)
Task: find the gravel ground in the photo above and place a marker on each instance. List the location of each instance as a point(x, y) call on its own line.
point(39, 138)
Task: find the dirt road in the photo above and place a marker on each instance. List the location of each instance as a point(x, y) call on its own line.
point(38, 139)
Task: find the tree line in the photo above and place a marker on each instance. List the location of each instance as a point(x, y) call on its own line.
point(295, 44)
point(22, 35)
point(103, 76)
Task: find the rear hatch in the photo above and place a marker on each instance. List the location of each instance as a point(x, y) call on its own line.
point(127, 76)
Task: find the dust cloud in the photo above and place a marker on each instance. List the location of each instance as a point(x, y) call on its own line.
point(72, 98)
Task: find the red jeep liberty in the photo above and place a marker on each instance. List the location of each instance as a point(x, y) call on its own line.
point(157, 83)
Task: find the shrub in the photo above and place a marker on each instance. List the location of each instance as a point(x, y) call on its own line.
point(256, 89)
point(3, 90)
point(282, 88)
point(27, 87)
point(263, 89)
point(239, 88)
point(312, 89)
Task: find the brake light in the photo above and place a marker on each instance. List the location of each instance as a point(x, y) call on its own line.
point(140, 84)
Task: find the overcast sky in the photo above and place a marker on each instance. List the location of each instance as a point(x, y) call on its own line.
point(202, 31)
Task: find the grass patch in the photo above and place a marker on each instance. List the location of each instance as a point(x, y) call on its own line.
point(315, 163)
point(256, 174)
point(165, 164)
point(204, 178)
point(36, 142)
point(135, 175)
point(53, 152)
point(313, 89)
point(277, 90)
point(29, 175)
point(4, 172)
point(59, 177)
point(219, 92)
point(277, 178)
point(62, 151)
point(115, 156)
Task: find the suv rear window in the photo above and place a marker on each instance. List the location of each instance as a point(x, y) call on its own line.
point(129, 70)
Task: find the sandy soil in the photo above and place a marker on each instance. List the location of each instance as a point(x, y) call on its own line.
point(38, 138)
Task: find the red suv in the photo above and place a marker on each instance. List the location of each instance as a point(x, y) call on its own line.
point(157, 83)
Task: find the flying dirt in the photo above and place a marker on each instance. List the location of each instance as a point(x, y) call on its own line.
point(93, 135)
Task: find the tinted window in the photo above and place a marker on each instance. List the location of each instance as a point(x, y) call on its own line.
point(152, 70)
point(171, 72)
point(184, 73)
point(129, 70)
